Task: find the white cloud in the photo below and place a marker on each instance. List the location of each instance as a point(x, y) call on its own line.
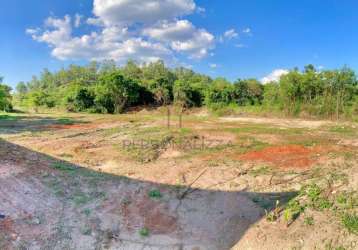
point(246, 30)
point(274, 76)
point(142, 30)
point(213, 65)
point(94, 21)
point(141, 11)
point(183, 36)
point(31, 31)
point(111, 43)
point(180, 30)
point(78, 18)
point(240, 45)
point(230, 34)
point(200, 10)
point(58, 31)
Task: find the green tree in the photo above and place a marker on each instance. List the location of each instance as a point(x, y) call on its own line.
point(133, 71)
point(220, 92)
point(249, 91)
point(114, 92)
point(159, 80)
point(197, 82)
point(5, 97)
point(291, 91)
point(183, 94)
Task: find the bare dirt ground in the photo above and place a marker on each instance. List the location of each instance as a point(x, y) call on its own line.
point(77, 181)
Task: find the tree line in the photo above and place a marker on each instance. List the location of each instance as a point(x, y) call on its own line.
point(106, 88)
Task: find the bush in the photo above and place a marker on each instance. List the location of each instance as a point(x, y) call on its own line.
point(114, 93)
point(79, 99)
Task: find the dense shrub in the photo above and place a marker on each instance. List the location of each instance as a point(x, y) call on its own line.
point(79, 99)
point(114, 93)
point(220, 91)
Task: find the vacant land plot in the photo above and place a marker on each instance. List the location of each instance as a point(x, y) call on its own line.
point(128, 182)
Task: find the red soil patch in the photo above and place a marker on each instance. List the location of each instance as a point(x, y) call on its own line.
point(7, 231)
point(288, 156)
point(6, 225)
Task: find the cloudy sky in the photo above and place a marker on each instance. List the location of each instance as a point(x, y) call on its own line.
point(231, 38)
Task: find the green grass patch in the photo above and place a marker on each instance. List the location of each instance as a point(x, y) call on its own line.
point(8, 118)
point(347, 200)
point(63, 167)
point(65, 121)
point(344, 130)
point(350, 222)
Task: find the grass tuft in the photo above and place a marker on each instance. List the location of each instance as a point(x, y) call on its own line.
point(350, 222)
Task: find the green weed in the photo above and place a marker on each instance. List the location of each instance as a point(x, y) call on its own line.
point(308, 221)
point(155, 194)
point(144, 232)
point(292, 211)
point(274, 214)
point(316, 198)
point(350, 222)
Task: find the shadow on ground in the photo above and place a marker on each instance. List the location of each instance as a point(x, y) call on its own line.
point(51, 204)
point(11, 124)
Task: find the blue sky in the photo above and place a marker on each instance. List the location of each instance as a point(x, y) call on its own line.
point(261, 36)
